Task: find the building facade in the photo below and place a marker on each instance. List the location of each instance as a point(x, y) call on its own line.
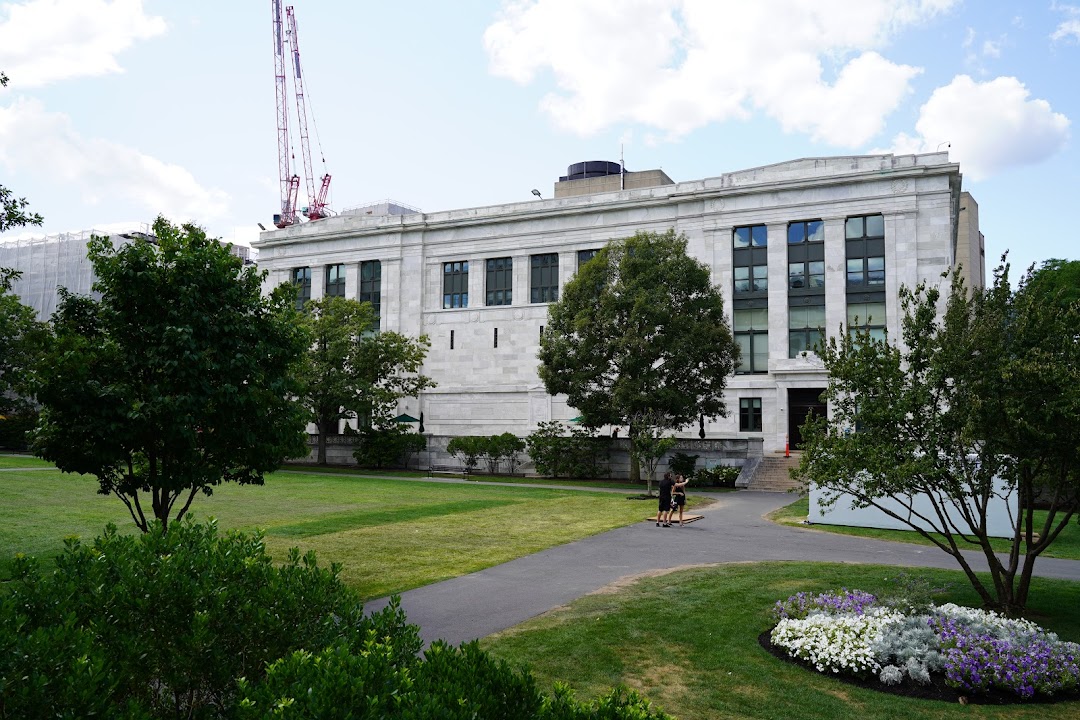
point(798, 248)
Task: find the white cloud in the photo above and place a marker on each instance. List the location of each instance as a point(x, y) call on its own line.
point(45, 41)
point(35, 141)
point(992, 126)
point(676, 65)
point(991, 48)
point(1070, 27)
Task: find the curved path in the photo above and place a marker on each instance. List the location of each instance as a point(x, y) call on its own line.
point(732, 530)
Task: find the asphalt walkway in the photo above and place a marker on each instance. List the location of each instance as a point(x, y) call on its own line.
point(732, 530)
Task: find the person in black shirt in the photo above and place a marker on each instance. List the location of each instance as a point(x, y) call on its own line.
point(663, 513)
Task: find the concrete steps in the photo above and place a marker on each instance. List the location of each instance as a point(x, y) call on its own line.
point(772, 474)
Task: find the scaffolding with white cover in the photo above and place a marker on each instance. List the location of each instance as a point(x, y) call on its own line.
point(51, 262)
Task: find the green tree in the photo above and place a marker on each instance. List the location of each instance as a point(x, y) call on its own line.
point(181, 377)
point(20, 333)
point(1058, 280)
point(973, 407)
point(335, 325)
point(467, 449)
point(22, 340)
point(351, 371)
point(640, 329)
point(650, 443)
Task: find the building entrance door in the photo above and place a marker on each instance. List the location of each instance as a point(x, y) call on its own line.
point(802, 402)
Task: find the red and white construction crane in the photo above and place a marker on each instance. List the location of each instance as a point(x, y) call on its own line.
point(290, 182)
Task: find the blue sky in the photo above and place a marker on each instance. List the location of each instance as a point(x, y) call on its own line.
point(119, 110)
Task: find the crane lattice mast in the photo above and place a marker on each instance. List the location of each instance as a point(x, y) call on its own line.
point(290, 183)
point(316, 203)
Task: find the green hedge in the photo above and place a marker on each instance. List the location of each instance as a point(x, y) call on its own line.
point(191, 623)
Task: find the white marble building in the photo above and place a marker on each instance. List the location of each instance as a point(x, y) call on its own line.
point(794, 246)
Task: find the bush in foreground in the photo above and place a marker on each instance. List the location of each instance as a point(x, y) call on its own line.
point(191, 623)
point(976, 651)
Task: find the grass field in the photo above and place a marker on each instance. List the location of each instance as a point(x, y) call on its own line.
point(22, 461)
point(388, 534)
point(1067, 545)
point(688, 642)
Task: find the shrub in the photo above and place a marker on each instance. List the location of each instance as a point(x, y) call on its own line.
point(582, 454)
point(716, 476)
point(162, 624)
point(468, 450)
point(13, 430)
point(387, 447)
point(502, 447)
point(683, 464)
point(463, 683)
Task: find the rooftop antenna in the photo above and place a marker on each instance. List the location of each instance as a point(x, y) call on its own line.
point(622, 168)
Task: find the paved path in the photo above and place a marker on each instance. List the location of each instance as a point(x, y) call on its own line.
point(733, 530)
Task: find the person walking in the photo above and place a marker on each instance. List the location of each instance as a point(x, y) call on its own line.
point(663, 512)
point(678, 497)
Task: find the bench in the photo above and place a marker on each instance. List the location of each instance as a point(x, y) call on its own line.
point(448, 471)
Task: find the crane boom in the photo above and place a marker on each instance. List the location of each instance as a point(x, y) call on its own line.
point(316, 203)
point(287, 180)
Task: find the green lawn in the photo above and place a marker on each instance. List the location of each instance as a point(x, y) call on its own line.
point(1066, 546)
point(688, 642)
point(22, 461)
point(388, 534)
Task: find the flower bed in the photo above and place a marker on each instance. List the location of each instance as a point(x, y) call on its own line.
point(973, 652)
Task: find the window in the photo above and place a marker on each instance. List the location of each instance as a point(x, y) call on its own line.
point(584, 256)
point(749, 414)
point(371, 288)
point(804, 328)
point(806, 257)
point(451, 339)
point(500, 281)
point(752, 336)
point(335, 281)
point(868, 316)
point(496, 337)
point(753, 278)
point(301, 277)
point(808, 231)
point(455, 285)
point(865, 239)
point(750, 271)
point(751, 236)
point(544, 281)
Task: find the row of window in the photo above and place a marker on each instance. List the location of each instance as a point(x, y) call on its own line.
point(809, 231)
point(369, 290)
point(499, 280)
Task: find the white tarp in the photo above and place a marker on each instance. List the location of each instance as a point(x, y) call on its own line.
point(842, 513)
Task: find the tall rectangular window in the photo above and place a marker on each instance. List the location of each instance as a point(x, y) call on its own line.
point(750, 262)
point(584, 256)
point(749, 414)
point(500, 281)
point(544, 278)
point(867, 316)
point(370, 290)
point(335, 281)
point(865, 243)
point(804, 328)
point(456, 284)
point(751, 327)
point(806, 257)
point(301, 277)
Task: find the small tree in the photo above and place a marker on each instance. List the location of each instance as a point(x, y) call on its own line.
point(976, 407)
point(22, 340)
point(650, 444)
point(507, 446)
point(386, 447)
point(468, 450)
point(181, 377)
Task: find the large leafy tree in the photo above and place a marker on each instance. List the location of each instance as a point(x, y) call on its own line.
point(974, 407)
point(181, 377)
point(20, 333)
point(640, 332)
point(334, 324)
point(350, 370)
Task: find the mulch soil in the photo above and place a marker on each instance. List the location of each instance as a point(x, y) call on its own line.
point(936, 690)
